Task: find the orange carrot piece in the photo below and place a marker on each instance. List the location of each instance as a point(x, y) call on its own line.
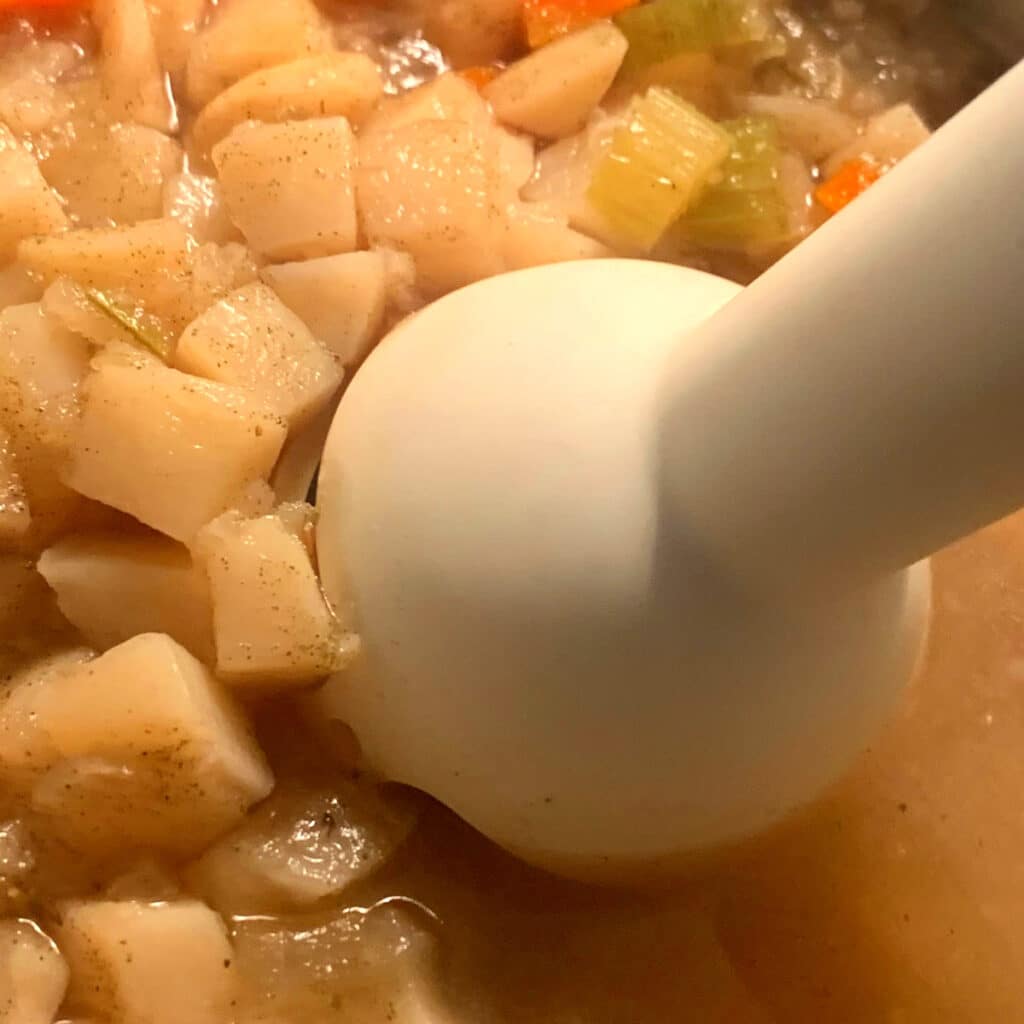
point(854, 177)
point(481, 74)
point(545, 20)
point(39, 5)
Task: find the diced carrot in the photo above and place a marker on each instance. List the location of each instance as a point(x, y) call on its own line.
point(545, 20)
point(481, 74)
point(847, 183)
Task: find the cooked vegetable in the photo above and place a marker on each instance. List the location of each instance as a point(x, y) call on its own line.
point(545, 20)
point(15, 517)
point(248, 35)
point(341, 299)
point(290, 187)
point(132, 324)
point(29, 205)
point(852, 178)
point(746, 206)
point(149, 963)
point(814, 128)
point(537, 235)
point(553, 90)
point(33, 975)
point(887, 138)
point(303, 844)
point(170, 449)
point(330, 84)
point(113, 586)
point(196, 202)
point(138, 749)
point(660, 160)
point(272, 625)
point(431, 189)
point(660, 29)
point(480, 74)
point(253, 340)
point(132, 76)
point(449, 97)
point(473, 31)
point(375, 962)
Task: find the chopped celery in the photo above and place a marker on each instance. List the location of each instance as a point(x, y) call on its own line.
point(661, 29)
point(747, 206)
point(147, 339)
point(659, 160)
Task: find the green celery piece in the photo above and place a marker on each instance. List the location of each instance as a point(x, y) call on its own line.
point(662, 29)
point(746, 207)
point(125, 319)
point(659, 160)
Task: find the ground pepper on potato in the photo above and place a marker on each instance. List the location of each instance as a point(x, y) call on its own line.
point(209, 215)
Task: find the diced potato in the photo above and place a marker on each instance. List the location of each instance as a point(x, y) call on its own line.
point(272, 625)
point(106, 257)
point(112, 172)
point(536, 235)
point(32, 96)
point(887, 138)
point(69, 306)
point(33, 975)
point(25, 749)
point(341, 299)
point(139, 963)
point(253, 340)
point(144, 879)
point(300, 846)
point(431, 189)
point(15, 516)
point(553, 91)
point(195, 201)
point(299, 463)
point(564, 173)
point(474, 31)
point(28, 206)
point(132, 77)
point(152, 270)
point(40, 369)
point(374, 965)
point(18, 286)
point(149, 752)
point(814, 128)
point(449, 97)
point(168, 448)
point(289, 187)
point(247, 35)
point(327, 85)
point(112, 586)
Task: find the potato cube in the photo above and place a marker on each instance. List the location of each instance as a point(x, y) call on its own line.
point(152, 272)
point(375, 966)
point(536, 235)
point(28, 206)
point(41, 365)
point(290, 187)
point(175, 26)
point(18, 286)
point(148, 751)
point(148, 963)
point(133, 79)
point(449, 97)
point(553, 91)
point(25, 749)
point(112, 586)
point(331, 84)
point(15, 517)
point(253, 340)
point(431, 189)
point(272, 625)
point(246, 35)
point(886, 139)
point(300, 846)
point(168, 448)
point(33, 975)
point(341, 299)
point(112, 173)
